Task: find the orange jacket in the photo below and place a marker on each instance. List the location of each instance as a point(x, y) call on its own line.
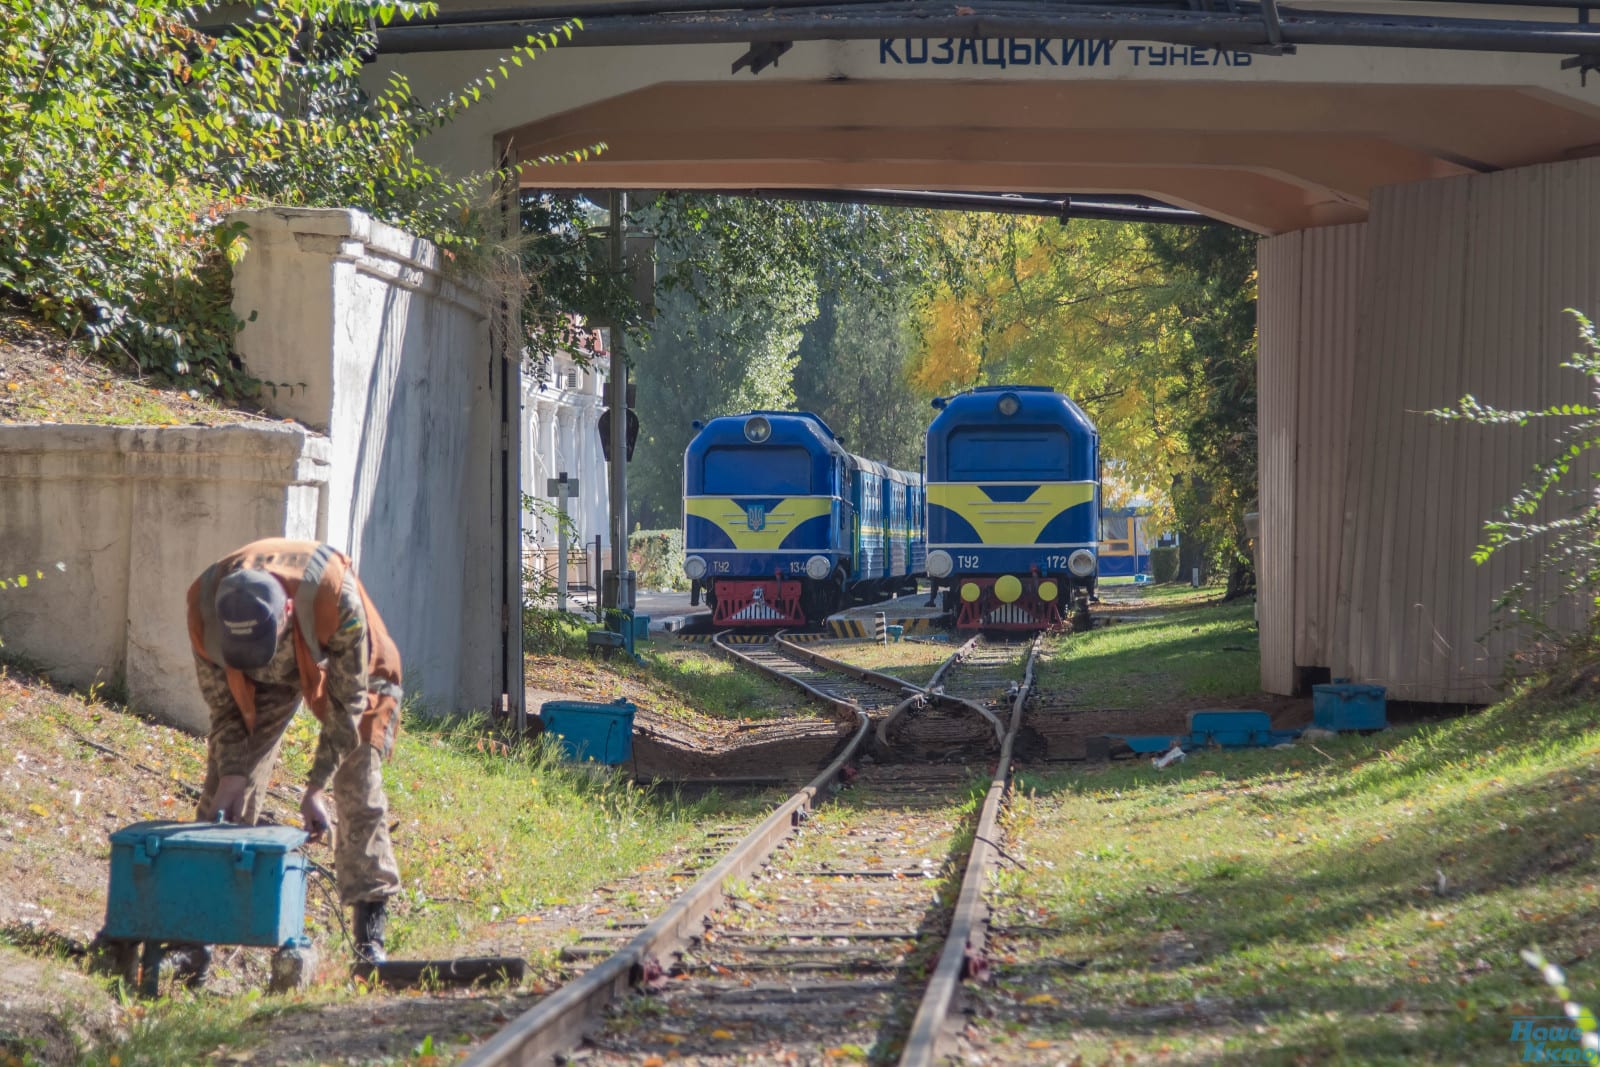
point(316, 614)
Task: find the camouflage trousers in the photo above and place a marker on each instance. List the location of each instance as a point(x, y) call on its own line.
point(363, 856)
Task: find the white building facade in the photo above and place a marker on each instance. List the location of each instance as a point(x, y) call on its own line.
point(561, 404)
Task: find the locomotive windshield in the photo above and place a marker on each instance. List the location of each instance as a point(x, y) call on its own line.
point(981, 453)
point(763, 471)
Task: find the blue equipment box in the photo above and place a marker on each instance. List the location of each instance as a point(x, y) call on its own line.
point(214, 883)
point(619, 622)
point(1349, 706)
point(602, 732)
point(1225, 729)
point(1229, 729)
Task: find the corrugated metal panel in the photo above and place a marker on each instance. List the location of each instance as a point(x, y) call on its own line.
point(1410, 339)
point(1462, 275)
point(1278, 306)
point(1330, 283)
point(1572, 280)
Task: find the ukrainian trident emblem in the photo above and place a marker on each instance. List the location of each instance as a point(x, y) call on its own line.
point(755, 517)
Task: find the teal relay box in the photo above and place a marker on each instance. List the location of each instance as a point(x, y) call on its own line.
point(1344, 705)
point(211, 883)
point(587, 731)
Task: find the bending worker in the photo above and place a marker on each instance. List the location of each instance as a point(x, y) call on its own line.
point(271, 623)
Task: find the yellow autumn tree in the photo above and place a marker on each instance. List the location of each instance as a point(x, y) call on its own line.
point(1078, 307)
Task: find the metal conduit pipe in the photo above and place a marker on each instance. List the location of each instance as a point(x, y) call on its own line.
point(1109, 208)
point(1173, 27)
point(1113, 208)
point(600, 8)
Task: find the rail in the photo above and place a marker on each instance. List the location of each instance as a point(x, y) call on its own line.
point(556, 1024)
point(548, 1031)
point(963, 947)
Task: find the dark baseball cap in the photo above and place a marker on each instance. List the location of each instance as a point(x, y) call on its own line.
point(250, 608)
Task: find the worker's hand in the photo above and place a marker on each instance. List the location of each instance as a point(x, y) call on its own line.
point(229, 799)
point(314, 814)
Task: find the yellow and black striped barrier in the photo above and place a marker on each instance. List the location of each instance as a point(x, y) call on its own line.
point(863, 628)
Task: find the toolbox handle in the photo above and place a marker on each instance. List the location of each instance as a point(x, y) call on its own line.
point(243, 856)
point(144, 853)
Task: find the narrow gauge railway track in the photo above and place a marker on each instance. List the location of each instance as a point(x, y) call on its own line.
point(844, 687)
point(829, 944)
point(955, 718)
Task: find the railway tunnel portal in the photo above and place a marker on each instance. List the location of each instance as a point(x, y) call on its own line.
point(1422, 175)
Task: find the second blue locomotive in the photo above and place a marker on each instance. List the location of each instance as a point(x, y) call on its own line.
point(781, 524)
point(1013, 491)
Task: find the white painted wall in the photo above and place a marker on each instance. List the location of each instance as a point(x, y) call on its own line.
point(132, 515)
point(369, 341)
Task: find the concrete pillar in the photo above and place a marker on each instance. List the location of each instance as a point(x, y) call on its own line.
point(363, 337)
point(545, 429)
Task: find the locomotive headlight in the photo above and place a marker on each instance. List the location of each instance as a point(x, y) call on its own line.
point(1081, 563)
point(818, 568)
point(694, 567)
point(940, 564)
point(757, 429)
point(1009, 404)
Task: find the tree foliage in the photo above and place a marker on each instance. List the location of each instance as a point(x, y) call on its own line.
point(853, 371)
point(739, 282)
point(1211, 291)
point(1557, 509)
point(1079, 308)
point(129, 135)
point(1149, 328)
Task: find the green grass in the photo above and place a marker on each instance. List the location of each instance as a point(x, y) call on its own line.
point(914, 661)
point(1286, 906)
point(714, 686)
point(1208, 651)
point(487, 838)
point(1166, 594)
point(487, 832)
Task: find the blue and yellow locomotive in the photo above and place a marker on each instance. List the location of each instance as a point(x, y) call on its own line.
point(781, 524)
point(1013, 493)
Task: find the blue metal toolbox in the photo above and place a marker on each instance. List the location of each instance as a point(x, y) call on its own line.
point(1346, 705)
point(213, 883)
point(601, 732)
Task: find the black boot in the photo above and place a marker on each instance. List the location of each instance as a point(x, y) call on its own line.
point(372, 917)
point(191, 964)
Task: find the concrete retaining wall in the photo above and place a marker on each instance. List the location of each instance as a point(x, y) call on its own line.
point(120, 520)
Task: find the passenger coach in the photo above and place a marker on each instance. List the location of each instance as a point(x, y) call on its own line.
point(1013, 494)
point(781, 524)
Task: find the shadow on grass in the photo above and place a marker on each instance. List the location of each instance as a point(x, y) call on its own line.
point(1260, 933)
point(715, 687)
point(1268, 1030)
point(38, 941)
point(1310, 894)
point(1192, 651)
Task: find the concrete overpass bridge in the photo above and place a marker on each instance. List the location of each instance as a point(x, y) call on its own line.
point(1422, 175)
